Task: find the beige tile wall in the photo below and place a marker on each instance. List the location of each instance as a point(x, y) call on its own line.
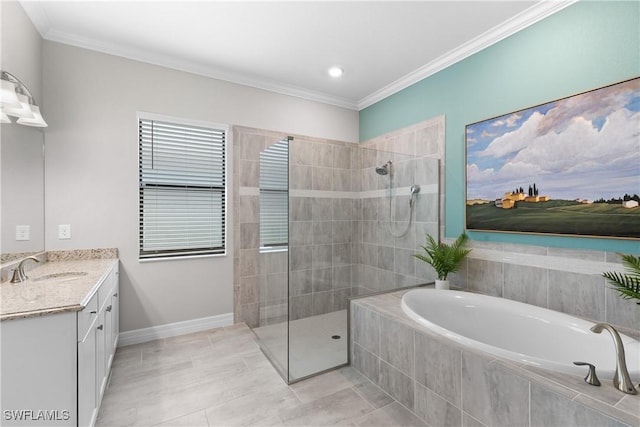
point(340, 243)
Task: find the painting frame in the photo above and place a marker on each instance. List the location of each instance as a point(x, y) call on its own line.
point(568, 167)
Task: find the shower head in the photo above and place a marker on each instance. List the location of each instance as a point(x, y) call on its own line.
point(384, 169)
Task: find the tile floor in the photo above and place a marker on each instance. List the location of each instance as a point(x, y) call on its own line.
point(221, 378)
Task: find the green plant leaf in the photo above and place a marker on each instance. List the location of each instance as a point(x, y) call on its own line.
point(627, 284)
point(444, 258)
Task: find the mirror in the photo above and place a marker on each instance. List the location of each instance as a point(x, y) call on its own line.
point(21, 192)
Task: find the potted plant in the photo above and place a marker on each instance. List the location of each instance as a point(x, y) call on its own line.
point(444, 258)
point(627, 284)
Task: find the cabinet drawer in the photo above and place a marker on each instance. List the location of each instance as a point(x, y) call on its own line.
point(87, 316)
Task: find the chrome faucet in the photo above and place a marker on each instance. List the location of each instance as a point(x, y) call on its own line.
point(621, 379)
point(18, 273)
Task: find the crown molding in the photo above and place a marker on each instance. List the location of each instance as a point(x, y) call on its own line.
point(196, 68)
point(513, 25)
point(535, 13)
point(37, 15)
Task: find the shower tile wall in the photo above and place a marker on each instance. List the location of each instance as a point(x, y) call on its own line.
point(321, 226)
point(383, 261)
point(247, 145)
point(320, 263)
point(340, 243)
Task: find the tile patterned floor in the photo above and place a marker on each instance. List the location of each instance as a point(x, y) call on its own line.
point(221, 378)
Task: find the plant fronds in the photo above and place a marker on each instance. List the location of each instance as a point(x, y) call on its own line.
point(442, 257)
point(627, 284)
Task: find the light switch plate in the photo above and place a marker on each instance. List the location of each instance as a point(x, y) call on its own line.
point(64, 231)
point(23, 232)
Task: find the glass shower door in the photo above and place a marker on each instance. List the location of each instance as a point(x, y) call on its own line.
point(273, 257)
point(321, 205)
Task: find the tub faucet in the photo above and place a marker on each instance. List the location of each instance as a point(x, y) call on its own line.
point(18, 274)
point(621, 379)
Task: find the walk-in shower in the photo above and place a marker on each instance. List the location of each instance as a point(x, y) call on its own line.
point(324, 237)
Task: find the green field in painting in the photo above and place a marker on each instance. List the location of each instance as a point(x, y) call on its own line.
point(558, 217)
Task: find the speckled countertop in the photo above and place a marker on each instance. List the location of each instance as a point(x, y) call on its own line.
point(35, 297)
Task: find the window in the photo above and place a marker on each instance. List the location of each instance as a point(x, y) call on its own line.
point(182, 187)
point(274, 196)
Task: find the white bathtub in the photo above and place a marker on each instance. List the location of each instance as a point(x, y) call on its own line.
point(520, 332)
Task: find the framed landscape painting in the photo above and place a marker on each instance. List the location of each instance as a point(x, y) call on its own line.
point(568, 167)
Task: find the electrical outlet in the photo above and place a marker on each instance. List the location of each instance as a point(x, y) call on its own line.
point(23, 232)
point(64, 231)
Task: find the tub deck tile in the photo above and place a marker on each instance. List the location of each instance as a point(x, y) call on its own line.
point(494, 391)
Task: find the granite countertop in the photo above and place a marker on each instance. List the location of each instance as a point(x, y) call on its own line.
point(35, 297)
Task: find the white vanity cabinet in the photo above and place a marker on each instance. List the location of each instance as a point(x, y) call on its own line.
point(97, 341)
point(55, 367)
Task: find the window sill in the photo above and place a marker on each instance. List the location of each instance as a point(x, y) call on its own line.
point(273, 249)
point(180, 258)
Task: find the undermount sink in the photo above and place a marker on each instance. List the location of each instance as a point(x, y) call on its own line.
point(64, 276)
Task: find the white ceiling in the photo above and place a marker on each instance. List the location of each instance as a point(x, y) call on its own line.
point(287, 47)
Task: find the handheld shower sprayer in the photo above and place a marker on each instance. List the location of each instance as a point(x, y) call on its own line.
point(386, 169)
point(414, 190)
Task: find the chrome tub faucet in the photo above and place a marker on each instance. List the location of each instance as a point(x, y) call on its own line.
point(621, 380)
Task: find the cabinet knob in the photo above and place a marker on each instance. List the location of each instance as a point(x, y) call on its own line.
point(101, 327)
point(93, 312)
point(115, 295)
point(109, 307)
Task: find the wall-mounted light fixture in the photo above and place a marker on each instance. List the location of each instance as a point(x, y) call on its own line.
point(17, 101)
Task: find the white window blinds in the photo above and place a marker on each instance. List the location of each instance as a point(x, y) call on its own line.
point(182, 189)
point(274, 196)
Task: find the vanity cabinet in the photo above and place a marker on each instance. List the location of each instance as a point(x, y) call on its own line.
point(97, 341)
point(55, 367)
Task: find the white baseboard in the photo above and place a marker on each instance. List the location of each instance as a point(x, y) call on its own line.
point(138, 336)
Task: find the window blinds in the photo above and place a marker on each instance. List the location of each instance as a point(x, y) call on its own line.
point(182, 189)
point(274, 197)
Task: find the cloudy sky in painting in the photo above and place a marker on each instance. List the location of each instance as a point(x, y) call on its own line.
point(586, 146)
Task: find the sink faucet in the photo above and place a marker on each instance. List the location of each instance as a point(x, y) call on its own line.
point(18, 273)
point(621, 379)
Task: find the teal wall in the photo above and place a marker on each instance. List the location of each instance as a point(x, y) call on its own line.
point(584, 46)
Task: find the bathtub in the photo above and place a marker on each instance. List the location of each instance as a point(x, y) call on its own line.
point(519, 332)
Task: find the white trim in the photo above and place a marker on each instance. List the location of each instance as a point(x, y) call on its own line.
point(519, 22)
point(138, 336)
point(365, 194)
point(188, 66)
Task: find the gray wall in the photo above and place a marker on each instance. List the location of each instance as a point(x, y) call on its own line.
point(22, 169)
point(91, 101)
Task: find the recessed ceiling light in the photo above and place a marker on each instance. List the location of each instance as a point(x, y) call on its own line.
point(335, 71)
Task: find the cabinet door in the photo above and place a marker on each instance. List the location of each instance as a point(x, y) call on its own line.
point(38, 370)
point(101, 356)
point(108, 335)
point(87, 402)
point(115, 312)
